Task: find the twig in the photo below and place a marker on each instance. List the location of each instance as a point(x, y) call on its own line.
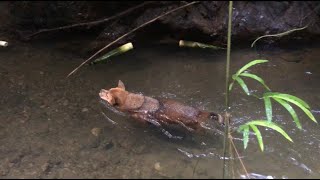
point(279, 34)
point(108, 118)
point(235, 149)
point(194, 168)
point(130, 33)
point(92, 22)
point(225, 142)
point(232, 158)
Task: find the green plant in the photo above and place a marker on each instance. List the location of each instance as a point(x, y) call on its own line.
point(283, 99)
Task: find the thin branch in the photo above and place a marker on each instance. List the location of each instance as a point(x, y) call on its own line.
point(130, 33)
point(232, 158)
point(225, 142)
point(194, 168)
point(279, 34)
point(92, 23)
point(108, 118)
point(235, 149)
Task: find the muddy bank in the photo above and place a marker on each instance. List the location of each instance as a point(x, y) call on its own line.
point(205, 21)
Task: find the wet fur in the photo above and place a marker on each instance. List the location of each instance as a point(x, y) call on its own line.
point(157, 111)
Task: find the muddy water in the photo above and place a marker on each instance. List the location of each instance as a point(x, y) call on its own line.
point(53, 127)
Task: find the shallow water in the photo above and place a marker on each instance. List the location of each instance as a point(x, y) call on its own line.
point(47, 119)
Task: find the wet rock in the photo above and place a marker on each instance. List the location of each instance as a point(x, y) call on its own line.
point(205, 21)
point(109, 145)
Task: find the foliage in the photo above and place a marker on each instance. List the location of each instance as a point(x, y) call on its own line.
point(281, 98)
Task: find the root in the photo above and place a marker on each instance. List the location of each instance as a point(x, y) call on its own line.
point(92, 23)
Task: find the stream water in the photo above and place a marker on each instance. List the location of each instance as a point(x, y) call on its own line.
point(56, 127)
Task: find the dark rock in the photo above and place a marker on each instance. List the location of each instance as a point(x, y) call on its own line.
point(205, 21)
point(109, 145)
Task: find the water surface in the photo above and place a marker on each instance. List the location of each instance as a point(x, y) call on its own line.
point(47, 119)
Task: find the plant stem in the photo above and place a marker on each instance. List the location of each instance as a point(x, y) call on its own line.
point(226, 130)
point(228, 54)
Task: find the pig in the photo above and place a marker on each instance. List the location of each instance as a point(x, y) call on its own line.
point(158, 111)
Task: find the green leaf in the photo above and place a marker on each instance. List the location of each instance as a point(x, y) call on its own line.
point(287, 97)
point(245, 136)
point(301, 104)
point(242, 84)
point(270, 125)
point(268, 107)
point(309, 114)
point(240, 128)
point(252, 63)
point(230, 86)
point(291, 111)
point(253, 76)
point(258, 134)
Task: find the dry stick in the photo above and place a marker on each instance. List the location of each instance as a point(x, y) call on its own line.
point(235, 149)
point(130, 33)
point(194, 168)
point(232, 157)
point(93, 22)
point(108, 118)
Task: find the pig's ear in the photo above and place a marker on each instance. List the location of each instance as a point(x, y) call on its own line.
point(121, 85)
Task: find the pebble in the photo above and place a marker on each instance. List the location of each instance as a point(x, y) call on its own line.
point(157, 166)
point(96, 131)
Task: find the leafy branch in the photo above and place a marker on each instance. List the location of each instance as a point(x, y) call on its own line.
point(281, 98)
point(253, 124)
point(241, 72)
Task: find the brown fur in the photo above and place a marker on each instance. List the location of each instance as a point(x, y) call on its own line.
point(157, 111)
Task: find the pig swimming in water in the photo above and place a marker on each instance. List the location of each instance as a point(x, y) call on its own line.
point(157, 111)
